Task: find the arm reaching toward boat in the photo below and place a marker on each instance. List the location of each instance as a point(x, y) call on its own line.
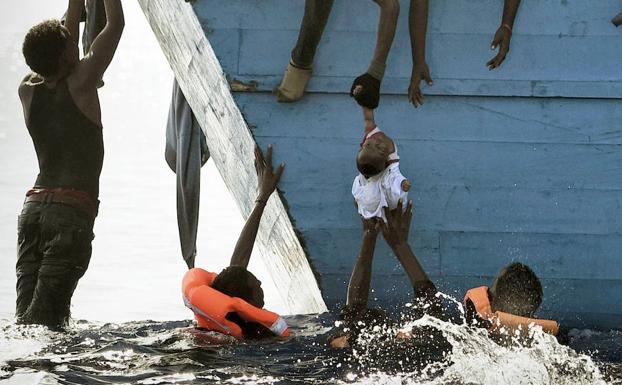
point(104, 46)
point(268, 180)
point(504, 33)
point(75, 8)
point(368, 95)
point(396, 232)
point(360, 280)
point(418, 26)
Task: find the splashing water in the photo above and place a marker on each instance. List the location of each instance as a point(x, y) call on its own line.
point(442, 353)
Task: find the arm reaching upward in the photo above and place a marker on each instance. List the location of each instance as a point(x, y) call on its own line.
point(418, 27)
point(268, 180)
point(72, 19)
point(368, 95)
point(105, 44)
point(504, 33)
point(360, 280)
point(395, 232)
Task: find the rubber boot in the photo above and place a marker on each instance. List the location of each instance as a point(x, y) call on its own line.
point(293, 85)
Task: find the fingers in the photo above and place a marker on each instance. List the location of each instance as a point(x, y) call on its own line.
point(357, 90)
point(279, 172)
point(269, 157)
point(408, 215)
point(258, 160)
point(496, 41)
point(496, 61)
point(428, 77)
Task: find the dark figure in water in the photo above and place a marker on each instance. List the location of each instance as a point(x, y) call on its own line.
point(63, 117)
point(298, 72)
point(516, 294)
point(236, 281)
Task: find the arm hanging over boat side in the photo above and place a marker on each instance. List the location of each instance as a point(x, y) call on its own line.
point(504, 33)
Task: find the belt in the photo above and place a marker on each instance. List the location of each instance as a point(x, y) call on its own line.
point(77, 199)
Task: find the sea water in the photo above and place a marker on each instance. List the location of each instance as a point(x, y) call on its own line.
point(149, 352)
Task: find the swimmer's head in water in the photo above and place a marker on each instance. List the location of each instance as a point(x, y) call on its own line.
point(372, 157)
point(46, 48)
point(236, 281)
point(516, 290)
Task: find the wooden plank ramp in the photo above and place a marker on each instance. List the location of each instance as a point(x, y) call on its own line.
point(231, 143)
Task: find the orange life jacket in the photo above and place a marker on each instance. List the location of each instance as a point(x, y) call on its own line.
point(480, 299)
point(211, 307)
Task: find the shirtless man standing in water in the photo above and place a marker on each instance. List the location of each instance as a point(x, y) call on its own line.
point(63, 116)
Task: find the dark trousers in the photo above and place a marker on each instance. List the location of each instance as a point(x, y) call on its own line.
point(54, 250)
point(311, 30)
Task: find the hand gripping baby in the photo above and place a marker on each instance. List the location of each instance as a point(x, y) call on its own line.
point(380, 183)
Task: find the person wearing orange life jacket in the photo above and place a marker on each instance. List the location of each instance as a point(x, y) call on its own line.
point(231, 302)
point(508, 306)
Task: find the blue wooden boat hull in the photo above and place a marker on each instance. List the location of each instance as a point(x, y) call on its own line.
point(518, 164)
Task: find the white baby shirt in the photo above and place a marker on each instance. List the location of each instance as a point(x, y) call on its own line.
point(373, 194)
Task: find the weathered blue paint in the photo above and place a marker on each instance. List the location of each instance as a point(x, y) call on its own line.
point(519, 164)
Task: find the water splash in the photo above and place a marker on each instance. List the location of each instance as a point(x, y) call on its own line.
point(153, 353)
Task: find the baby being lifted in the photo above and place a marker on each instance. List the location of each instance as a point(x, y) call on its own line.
point(380, 183)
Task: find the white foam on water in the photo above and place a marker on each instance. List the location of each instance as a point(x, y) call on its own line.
point(478, 360)
point(21, 341)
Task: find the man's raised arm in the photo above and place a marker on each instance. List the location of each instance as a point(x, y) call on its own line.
point(104, 46)
point(360, 280)
point(75, 8)
point(504, 33)
point(395, 232)
point(268, 180)
point(367, 86)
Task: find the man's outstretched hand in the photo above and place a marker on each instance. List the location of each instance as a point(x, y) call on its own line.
point(366, 91)
point(502, 41)
point(420, 72)
point(397, 227)
point(267, 177)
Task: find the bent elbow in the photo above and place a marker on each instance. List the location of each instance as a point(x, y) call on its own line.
point(392, 6)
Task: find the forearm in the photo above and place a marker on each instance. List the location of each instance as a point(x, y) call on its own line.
point(510, 9)
point(360, 280)
point(73, 16)
point(389, 12)
point(417, 276)
point(244, 247)
point(115, 20)
point(418, 27)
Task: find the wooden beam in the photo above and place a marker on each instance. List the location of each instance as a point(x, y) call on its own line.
point(231, 145)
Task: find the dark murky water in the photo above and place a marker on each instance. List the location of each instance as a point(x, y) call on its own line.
point(169, 352)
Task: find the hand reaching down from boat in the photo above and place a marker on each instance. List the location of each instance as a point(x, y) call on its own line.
point(503, 36)
point(502, 41)
point(420, 72)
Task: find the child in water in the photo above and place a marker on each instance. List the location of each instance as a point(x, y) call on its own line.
point(380, 183)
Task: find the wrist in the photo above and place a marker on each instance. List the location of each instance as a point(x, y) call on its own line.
point(376, 69)
point(507, 27)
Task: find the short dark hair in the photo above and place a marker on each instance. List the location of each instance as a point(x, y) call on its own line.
point(516, 290)
point(44, 45)
point(369, 164)
point(234, 282)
